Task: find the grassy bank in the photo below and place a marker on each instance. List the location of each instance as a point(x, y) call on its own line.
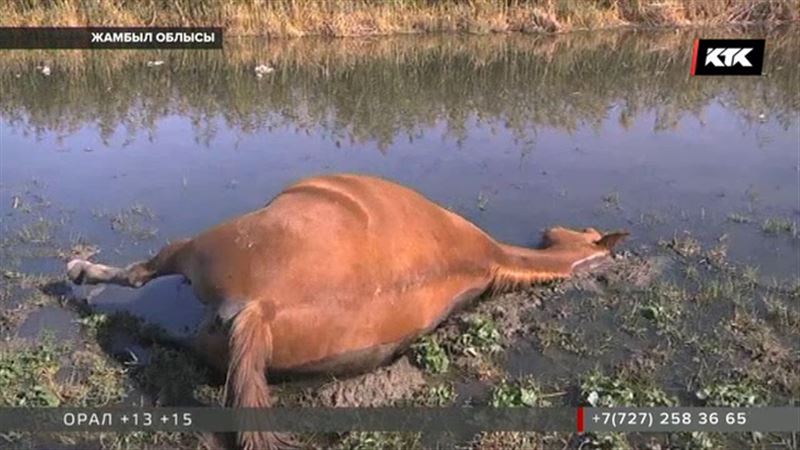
point(293, 18)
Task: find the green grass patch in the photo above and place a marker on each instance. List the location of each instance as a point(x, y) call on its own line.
point(720, 287)
point(660, 305)
point(606, 441)
point(379, 441)
point(430, 355)
point(728, 393)
point(38, 232)
point(134, 221)
point(683, 244)
point(778, 225)
point(779, 313)
point(98, 381)
point(556, 335)
point(480, 336)
point(601, 390)
point(50, 375)
point(519, 393)
point(27, 376)
point(740, 218)
point(437, 395)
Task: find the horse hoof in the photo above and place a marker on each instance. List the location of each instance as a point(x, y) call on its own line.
point(76, 270)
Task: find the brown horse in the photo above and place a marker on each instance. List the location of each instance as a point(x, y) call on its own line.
point(338, 274)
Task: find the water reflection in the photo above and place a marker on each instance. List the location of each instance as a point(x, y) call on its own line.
point(384, 89)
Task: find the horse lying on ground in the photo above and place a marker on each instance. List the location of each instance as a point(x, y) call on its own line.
point(339, 274)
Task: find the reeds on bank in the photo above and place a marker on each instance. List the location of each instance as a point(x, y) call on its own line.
point(293, 18)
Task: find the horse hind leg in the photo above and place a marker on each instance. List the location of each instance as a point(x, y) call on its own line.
point(166, 262)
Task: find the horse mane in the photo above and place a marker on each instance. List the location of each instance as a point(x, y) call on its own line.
point(506, 279)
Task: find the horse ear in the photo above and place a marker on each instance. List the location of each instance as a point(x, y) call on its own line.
point(610, 240)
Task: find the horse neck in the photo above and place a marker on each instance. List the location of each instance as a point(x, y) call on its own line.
point(517, 266)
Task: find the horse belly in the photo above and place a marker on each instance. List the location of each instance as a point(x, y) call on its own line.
point(337, 341)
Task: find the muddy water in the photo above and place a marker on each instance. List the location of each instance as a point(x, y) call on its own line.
point(515, 133)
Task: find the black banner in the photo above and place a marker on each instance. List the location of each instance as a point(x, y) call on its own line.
point(728, 56)
point(110, 38)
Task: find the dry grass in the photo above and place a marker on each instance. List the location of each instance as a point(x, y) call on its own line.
point(294, 18)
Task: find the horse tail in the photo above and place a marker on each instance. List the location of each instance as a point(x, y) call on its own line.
point(250, 344)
